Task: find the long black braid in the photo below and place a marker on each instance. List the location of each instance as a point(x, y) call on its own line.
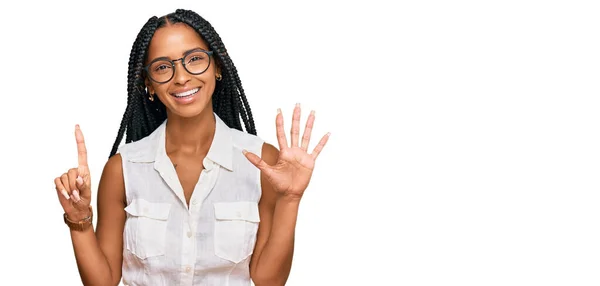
point(142, 116)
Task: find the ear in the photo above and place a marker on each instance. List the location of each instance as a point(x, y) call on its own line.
point(218, 72)
point(217, 67)
point(149, 86)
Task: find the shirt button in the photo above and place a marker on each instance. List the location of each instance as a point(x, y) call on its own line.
point(189, 234)
point(188, 269)
point(194, 202)
point(238, 214)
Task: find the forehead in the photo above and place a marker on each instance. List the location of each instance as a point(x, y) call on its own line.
point(173, 40)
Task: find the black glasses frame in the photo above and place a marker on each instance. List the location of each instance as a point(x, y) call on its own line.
point(209, 53)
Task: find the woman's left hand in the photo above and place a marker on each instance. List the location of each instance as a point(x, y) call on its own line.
point(292, 172)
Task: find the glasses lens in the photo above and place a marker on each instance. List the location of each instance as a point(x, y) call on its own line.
point(197, 62)
point(161, 71)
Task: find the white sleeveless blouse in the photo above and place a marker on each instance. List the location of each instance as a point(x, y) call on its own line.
point(209, 243)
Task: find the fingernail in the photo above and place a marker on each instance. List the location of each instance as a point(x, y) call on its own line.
point(328, 134)
point(312, 112)
point(76, 195)
point(79, 180)
point(244, 151)
point(65, 194)
point(77, 126)
point(298, 104)
point(278, 110)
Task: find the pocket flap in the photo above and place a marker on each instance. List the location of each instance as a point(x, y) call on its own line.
point(247, 211)
point(141, 207)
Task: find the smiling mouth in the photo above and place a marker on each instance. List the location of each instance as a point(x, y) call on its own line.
point(186, 93)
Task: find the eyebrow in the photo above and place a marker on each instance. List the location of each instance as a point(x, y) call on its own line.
point(184, 53)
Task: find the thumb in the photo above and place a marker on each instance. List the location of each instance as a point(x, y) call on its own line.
point(258, 162)
point(82, 182)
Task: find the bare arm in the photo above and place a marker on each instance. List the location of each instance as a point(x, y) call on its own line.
point(100, 256)
point(272, 258)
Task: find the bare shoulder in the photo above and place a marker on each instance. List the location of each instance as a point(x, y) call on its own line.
point(112, 175)
point(270, 153)
point(114, 166)
point(111, 188)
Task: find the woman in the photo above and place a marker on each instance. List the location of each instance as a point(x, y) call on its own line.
point(190, 199)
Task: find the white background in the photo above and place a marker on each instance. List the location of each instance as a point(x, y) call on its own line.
point(465, 134)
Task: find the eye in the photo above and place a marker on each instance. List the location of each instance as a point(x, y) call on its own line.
point(195, 58)
point(161, 67)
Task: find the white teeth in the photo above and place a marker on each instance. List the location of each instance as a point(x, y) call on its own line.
point(187, 93)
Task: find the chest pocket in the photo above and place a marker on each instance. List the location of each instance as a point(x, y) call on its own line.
point(146, 228)
point(236, 225)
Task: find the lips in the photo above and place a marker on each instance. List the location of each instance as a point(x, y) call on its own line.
point(186, 93)
point(186, 97)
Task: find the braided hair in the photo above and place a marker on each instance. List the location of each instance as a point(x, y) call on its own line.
point(142, 116)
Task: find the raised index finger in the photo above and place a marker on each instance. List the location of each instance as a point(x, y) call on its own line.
point(81, 150)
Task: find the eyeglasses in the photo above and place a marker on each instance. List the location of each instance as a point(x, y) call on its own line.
point(195, 62)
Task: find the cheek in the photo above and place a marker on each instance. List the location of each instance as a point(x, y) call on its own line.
point(208, 89)
point(209, 81)
point(162, 89)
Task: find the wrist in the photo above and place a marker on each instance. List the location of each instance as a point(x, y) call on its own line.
point(79, 215)
point(79, 224)
point(289, 199)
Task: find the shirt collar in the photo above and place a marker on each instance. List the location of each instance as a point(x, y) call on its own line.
point(221, 148)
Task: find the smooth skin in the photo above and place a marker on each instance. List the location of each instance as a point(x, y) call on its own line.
point(285, 174)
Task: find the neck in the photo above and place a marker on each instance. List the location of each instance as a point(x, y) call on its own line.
point(192, 135)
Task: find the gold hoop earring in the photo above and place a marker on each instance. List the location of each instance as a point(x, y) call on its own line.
point(219, 76)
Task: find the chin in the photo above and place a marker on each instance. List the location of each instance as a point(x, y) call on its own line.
point(188, 113)
point(190, 110)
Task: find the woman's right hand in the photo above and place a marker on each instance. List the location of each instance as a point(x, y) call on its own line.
point(74, 186)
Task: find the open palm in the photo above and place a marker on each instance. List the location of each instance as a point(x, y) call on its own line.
point(292, 172)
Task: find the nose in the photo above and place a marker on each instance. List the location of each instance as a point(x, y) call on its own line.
point(181, 76)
